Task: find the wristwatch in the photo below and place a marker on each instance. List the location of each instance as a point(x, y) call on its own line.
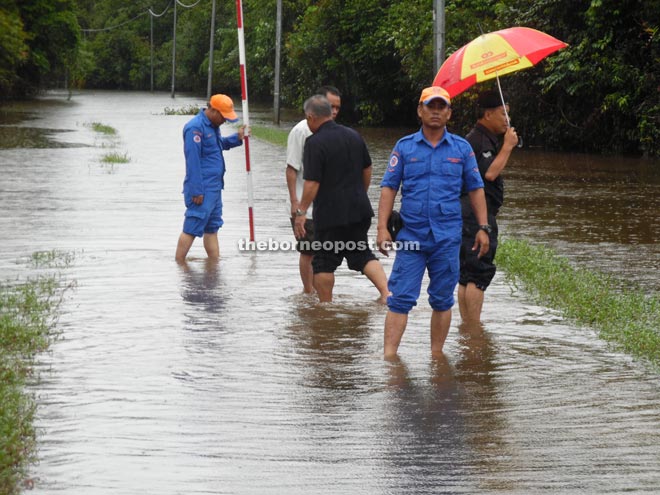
point(486, 227)
point(300, 213)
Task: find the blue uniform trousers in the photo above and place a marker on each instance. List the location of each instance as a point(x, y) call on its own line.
point(441, 259)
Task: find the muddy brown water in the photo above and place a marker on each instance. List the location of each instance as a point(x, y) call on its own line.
point(223, 379)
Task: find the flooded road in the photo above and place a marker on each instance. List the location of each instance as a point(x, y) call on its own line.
point(223, 379)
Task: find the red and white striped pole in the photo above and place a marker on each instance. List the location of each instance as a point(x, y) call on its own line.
point(246, 114)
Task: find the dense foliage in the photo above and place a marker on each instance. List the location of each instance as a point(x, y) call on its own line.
point(600, 94)
point(38, 39)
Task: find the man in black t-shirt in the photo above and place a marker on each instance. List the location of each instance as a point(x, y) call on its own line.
point(337, 173)
point(477, 273)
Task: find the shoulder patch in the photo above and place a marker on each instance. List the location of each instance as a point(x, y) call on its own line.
point(394, 160)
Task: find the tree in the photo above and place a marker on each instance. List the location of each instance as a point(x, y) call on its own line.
point(41, 39)
point(601, 93)
point(13, 47)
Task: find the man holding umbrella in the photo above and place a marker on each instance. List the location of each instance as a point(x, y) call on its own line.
point(477, 272)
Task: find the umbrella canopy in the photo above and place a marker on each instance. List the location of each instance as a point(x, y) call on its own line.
point(494, 54)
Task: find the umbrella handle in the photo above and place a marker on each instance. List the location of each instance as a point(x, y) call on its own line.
point(499, 87)
point(506, 114)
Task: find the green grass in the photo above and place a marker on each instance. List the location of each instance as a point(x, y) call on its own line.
point(103, 129)
point(28, 314)
point(626, 317)
point(52, 259)
point(115, 157)
point(270, 134)
point(26, 328)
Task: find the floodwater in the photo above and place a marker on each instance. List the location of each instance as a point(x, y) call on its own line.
point(224, 379)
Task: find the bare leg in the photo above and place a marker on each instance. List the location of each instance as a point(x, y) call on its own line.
point(395, 325)
point(324, 283)
point(374, 272)
point(306, 272)
point(440, 321)
point(211, 245)
point(470, 302)
point(461, 302)
point(183, 246)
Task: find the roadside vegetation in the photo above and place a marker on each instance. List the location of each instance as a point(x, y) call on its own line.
point(626, 317)
point(270, 134)
point(597, 95)
point(28, 313)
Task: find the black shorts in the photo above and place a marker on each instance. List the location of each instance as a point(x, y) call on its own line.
point(337, 243)
point(304, 245)
point(479, 271)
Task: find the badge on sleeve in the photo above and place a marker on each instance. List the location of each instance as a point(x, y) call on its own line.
point(394, 161)
point(197, 139)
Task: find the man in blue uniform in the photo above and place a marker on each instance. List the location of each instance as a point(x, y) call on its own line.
point(431, 167)
point(205, 170)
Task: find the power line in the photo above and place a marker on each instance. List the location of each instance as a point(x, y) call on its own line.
point(163, 13)
point(149, 11)
point(153, 14)
point(114, 27)
point(188, 6)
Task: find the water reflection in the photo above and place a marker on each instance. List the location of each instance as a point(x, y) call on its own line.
point(476, 372)
point(202, 286)
point(426, 429)
point(330, 341)
point(448, 430)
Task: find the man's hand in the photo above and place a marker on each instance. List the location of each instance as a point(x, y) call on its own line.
point(299, 226)
point(245, 131)
point(481, 242)
point(510, 138)
point(198, 200)
point(384, 241)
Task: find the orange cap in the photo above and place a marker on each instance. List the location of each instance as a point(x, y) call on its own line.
point(433, 92)
point(224, 105)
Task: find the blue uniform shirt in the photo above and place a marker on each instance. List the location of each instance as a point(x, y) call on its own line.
point(431, 181)
point(205, 165)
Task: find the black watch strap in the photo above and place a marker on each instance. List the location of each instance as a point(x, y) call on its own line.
point(486, 227)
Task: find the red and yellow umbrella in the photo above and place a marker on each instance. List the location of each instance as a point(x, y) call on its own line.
point(494, 54)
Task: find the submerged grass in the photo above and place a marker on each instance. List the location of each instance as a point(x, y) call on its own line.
point(270, 134)
point(185, 110)
point(27, 321)
point(103, 129)
point(628, 318)
point(115, 157)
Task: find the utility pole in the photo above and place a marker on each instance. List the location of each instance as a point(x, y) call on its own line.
point(151, 43)
point(210, 79)
point(439, 34)
point(278, 45)
point(174, 48)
